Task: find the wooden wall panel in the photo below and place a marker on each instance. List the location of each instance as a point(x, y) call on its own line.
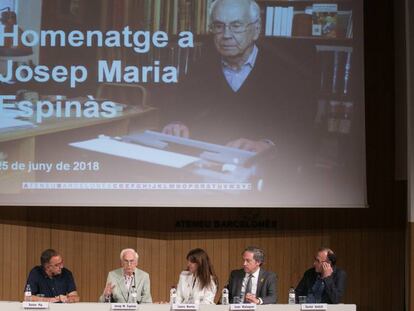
point(13, 241)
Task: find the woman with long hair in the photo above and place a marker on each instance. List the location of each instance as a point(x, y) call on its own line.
point(198, 284)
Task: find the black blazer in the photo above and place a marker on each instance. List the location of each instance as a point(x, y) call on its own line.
point(334, 285)
point(266, 285)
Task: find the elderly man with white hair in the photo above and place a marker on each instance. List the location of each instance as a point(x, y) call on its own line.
point(249, 96)
point(127, 284)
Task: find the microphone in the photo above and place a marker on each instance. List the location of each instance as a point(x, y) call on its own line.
point(133, 280)
point(134, 293)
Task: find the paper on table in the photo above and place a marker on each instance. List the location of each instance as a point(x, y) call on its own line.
point(136, 152)
point(10, 113)
point(10, 124)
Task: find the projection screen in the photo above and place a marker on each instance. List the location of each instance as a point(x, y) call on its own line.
point(224, 103)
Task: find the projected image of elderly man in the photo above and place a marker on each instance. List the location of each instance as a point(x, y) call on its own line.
point(240, 93)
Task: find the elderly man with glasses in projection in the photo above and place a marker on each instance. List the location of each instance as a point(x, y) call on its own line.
point(127, 284)
point(242, 94)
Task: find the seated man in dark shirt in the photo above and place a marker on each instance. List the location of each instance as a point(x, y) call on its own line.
point(50, 281)
point(324, 283)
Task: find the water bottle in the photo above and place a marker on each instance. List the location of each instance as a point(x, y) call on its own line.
point(292, 296)
point(108, 298)
point(173, 295)
point(28, 293)
point(242, 297)
point(225, 296)
point(134, 295)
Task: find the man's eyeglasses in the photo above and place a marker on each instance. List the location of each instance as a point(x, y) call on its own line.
point(235, 27)
point(129, 262)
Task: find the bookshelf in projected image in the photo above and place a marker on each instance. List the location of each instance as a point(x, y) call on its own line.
point(328, 27)
point(307, 19)
point(172, 17)
point(335, 104)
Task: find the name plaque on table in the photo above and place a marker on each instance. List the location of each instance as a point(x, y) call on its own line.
point(314, 306)
point(35, 305)
point(242, 306)
point(124, 306)
point(185, 306)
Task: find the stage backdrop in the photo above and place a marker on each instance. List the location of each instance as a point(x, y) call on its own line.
point(369, 244)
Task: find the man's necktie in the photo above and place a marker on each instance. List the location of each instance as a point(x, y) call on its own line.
point(248, 286)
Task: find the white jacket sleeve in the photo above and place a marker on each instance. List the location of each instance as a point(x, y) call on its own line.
point(210, 293)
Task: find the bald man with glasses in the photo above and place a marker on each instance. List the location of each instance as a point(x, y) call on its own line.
point(127, 284)
point(51, 281)
point(324, 282)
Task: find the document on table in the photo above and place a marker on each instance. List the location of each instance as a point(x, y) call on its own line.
point(136, 152)
point(8, 123)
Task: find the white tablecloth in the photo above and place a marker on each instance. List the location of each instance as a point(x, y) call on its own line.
point(82, 306)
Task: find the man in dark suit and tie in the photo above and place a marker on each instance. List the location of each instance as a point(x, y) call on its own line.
point(252, 284)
